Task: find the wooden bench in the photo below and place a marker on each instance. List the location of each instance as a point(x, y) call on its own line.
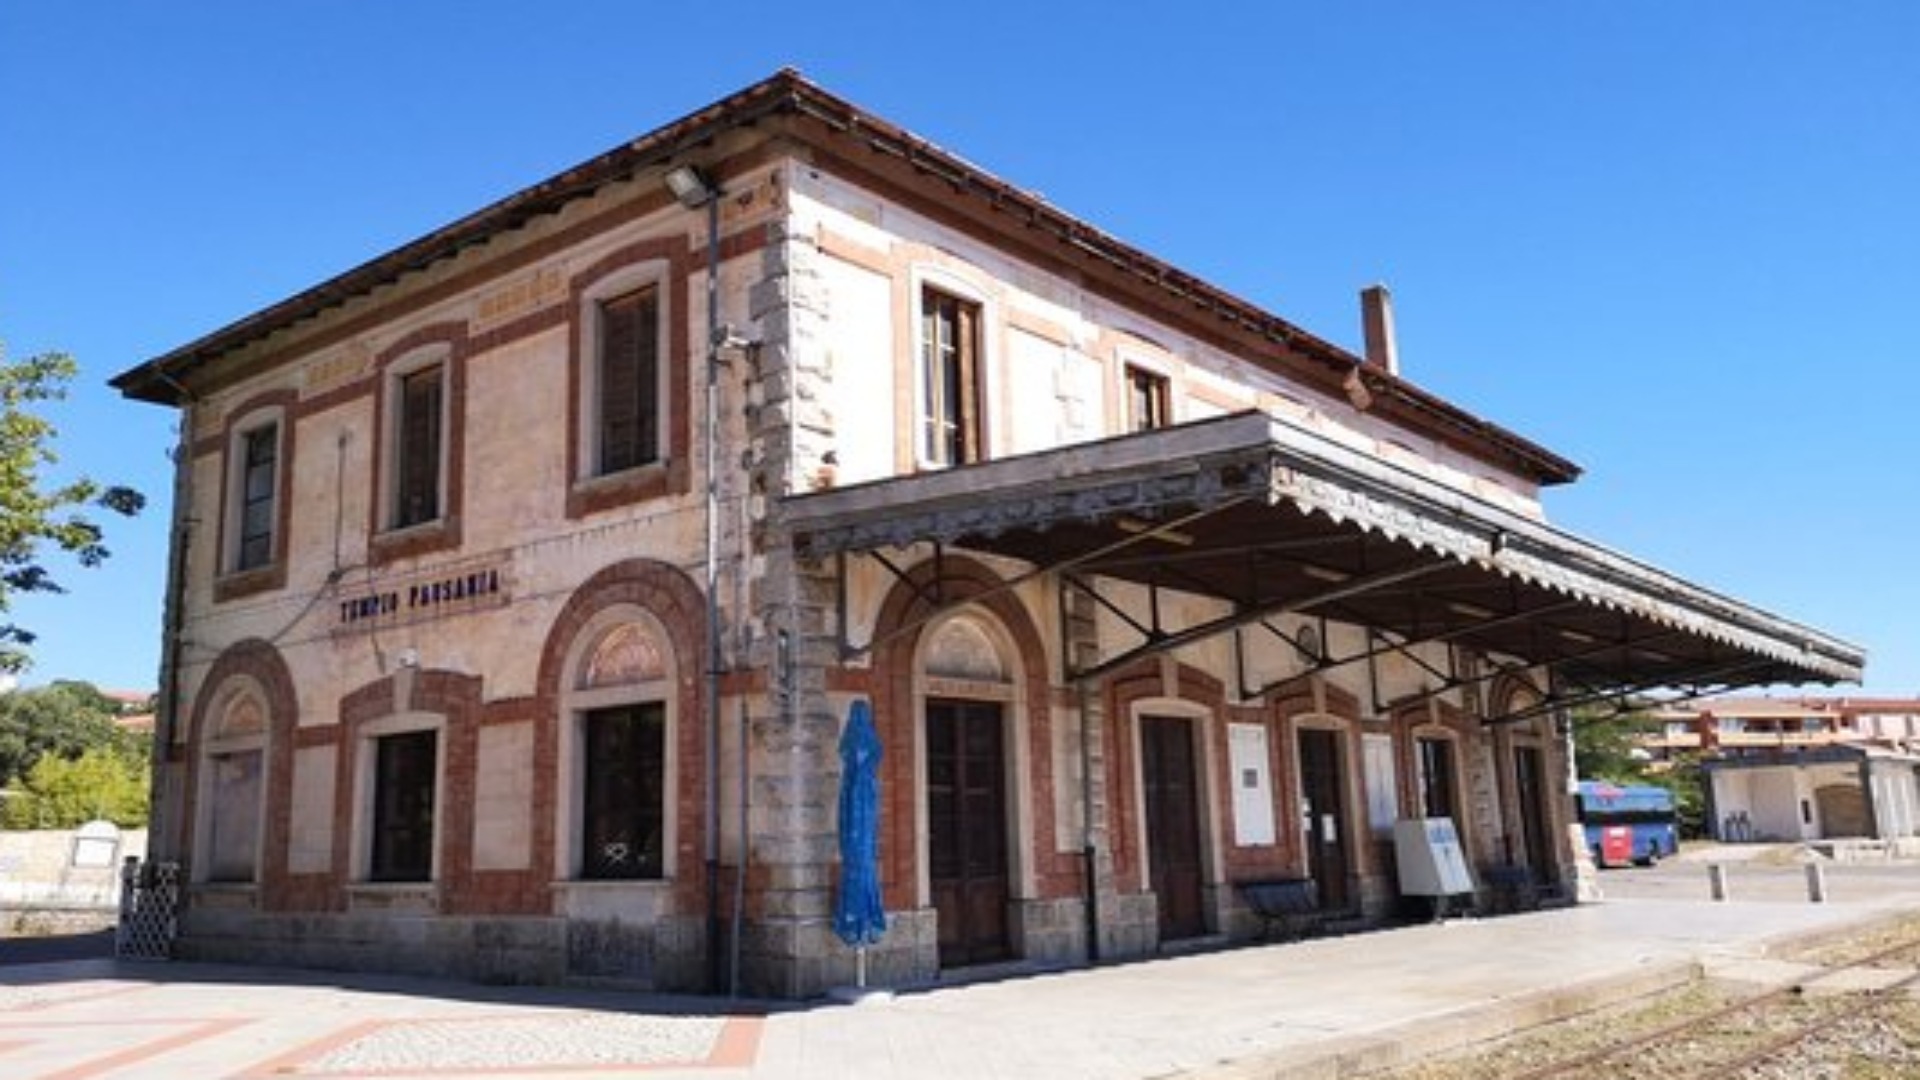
point(1291, 904)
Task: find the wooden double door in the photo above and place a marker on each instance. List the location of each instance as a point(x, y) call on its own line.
point(967, 830)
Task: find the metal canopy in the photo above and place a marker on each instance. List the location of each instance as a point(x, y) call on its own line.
point(1275, 518)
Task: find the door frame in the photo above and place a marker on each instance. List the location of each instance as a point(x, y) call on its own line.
point(1205, 755)
point(1538, 825)
point(1352, 812)
point(1200, 741)
point(1007, 940)
point(1010, 694)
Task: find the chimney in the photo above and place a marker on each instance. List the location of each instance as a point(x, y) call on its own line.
point(1376, 323)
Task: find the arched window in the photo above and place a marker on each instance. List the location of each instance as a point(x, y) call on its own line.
point(232, 782)
point(619, 814)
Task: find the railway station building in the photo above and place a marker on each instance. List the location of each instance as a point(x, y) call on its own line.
point(525, 575)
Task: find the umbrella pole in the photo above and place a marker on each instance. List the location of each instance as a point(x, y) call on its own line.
point(860, 967)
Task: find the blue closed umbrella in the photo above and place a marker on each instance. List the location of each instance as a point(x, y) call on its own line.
point(859, 915)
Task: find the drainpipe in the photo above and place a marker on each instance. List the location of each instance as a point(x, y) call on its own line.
point(1090, 849)
point(714, 956)
point(694, 189)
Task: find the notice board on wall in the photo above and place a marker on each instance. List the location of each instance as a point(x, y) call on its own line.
point(1252, 784)
point(1383, 809)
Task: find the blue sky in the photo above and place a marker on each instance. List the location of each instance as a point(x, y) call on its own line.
point(1678, 243)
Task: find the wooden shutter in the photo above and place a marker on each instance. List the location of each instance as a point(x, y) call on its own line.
point(966, 354)
point(417, 465)
point(950, 379)
point(629, 413)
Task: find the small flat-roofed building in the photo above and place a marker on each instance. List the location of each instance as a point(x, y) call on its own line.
point(1835, 792)
point(1799, 768)
point(527, 573)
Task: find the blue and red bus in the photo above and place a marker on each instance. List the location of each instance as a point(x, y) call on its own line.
point(1627, 823)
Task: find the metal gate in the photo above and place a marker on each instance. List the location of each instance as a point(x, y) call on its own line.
point(149, 910)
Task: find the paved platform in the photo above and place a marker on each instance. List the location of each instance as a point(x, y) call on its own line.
point(1322, 1008)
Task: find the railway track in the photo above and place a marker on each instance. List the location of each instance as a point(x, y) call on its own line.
point(1855, 1015)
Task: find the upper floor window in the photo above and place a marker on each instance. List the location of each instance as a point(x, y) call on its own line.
point(1149, 401)
point(419, 442)
point(418, 472)
point(952, 431)
point(629, 426)
point(250, 508)
point(627, 368)
point(257, 496)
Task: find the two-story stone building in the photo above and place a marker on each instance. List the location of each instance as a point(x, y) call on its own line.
point(525, 574)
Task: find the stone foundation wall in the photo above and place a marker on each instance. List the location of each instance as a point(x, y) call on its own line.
point(37, 870)
point(1129, 926)
point(1052, 931)
point(43, 893)
point(521, 949)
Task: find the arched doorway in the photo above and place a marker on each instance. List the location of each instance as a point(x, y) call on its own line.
point(965, 741)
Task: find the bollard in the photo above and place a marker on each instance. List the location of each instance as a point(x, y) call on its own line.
point(1816, 883)
point(1717, 880)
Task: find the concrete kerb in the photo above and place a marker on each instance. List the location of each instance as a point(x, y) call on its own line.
point(1452, 1030)
point(1458, 1030)
point(1793, 941)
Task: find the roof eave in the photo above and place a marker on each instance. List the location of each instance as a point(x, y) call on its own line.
point(162, 379)
point(158, 380)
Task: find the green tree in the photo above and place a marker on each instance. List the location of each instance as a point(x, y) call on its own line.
point(61, 793)
point(1604, 749)
point(1603, 746)
point(1683, 777)
point(65, 719)
point(34, 519)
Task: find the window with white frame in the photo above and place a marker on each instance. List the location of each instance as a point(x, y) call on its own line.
point(1149, 400)
point(232, 779)
point(404, 779)
point(622, 322)
point(619, 818)
point(626, 384)
point(952, 427)
point(233, 815)
point(623, 815)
